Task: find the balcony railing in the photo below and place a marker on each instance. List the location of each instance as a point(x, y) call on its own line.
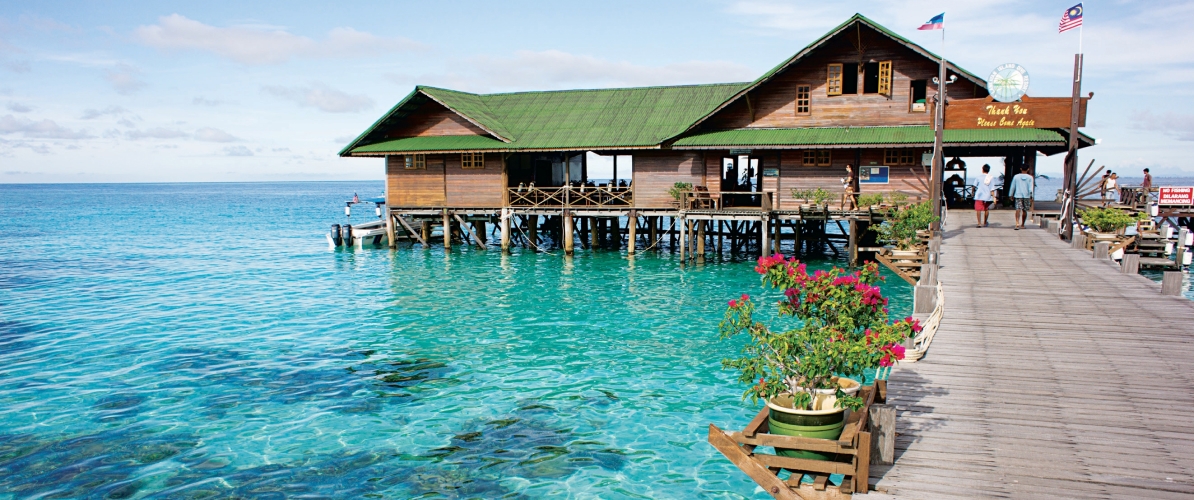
point(571, 196)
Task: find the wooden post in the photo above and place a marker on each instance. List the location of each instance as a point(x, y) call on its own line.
point(700, 246)
point(1078, 241)
point(632, 227)
point(775, 237)
point(797, 232)
point(765, 235)
point(566, 234)
point(390, 228)
point(853, 228)
point(506, 216)
point(924, 299)
point(410, 230)
point(1130, 263)
point(479, 227)
point(533, 230)
point(464, 227)
point(883, 430)
point(426, 234)
point(1171, 283)
point(681, 235)
point(593, 232)
point(447, 231)
point(653, 230)
point(1102, 250)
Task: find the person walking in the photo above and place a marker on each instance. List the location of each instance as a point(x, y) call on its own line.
point(984, 196)
point(1111, 189)
point(1103, 184)
point(1021, 193)
point(1145, 186)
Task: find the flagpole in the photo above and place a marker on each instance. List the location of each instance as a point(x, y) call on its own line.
point(1071, 166)
point(937, 170)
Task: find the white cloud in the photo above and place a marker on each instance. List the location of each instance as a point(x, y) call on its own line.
point(1179, 126)
point(155, 133)
point(262, 45)
point(237, 151)
point(124, 79)
point(214, 135)
point(203, 101)
point(44, 129)
point(89, 113)
point(17, 107)
point(323, 97)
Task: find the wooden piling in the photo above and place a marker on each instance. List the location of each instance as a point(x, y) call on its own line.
point(447, 231)
point(1171, 283)
point(852, 227)
point(700, 237)
point(390, 233)
point(765, 235)
point(479, 227)
point(681, 236)
point(505, 224)
point(533, 230)
point(1102, 250)
point(426, 234)
point(883, 434)
point(632, 227)
point(1130, 264)
point(566, 233)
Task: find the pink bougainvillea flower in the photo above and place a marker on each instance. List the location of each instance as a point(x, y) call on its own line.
point(745, 297)
point(733, 303)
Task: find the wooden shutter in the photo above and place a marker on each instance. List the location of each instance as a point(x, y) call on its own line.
point(833, 83)
point(885, 78)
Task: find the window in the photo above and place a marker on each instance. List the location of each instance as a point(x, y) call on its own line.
point(850, 78)
point(899, 157)
point(416, 162)
point(870, 78)
point(472, 160)
point(833, 84)
point(803, 99)
point(885, 78)
point(816, 157)
point(917, 96)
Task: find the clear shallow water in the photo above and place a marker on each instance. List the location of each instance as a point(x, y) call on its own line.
point(200, 340)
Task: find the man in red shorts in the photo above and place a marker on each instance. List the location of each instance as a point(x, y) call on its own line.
point(984, 196)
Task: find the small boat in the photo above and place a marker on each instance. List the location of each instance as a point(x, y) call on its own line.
point(363, 235)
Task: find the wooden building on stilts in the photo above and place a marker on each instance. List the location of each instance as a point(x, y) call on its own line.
point(859, 96)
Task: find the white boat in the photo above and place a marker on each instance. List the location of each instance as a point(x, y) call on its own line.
point(370, 234)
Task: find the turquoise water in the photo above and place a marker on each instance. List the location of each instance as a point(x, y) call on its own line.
point(201, 340)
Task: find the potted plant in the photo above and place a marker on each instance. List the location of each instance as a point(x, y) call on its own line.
point(821, 197)
point(803, 195)
point(901, 227)
point(808, 375)
point(1108, 221)
point(678, 190)
point(872, 200)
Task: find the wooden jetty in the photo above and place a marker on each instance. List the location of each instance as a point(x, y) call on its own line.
point(1052, 375)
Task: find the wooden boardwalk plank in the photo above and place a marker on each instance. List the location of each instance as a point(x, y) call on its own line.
point(1052, 376)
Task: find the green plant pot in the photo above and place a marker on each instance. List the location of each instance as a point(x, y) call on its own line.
point(825, 426)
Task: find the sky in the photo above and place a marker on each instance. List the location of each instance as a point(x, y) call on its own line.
point(270, 91)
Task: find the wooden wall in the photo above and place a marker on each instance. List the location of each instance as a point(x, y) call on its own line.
point(655, 173)
point(474, 188)
point(773, 104)
point(433, 119)
point(418, 188)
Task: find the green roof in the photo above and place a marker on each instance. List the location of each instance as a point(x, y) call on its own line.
point(568, 119)
point(851, 136)
point(444, 143)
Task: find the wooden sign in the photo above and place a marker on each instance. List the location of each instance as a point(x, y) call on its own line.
point(1170, 196)
point(1029, 112)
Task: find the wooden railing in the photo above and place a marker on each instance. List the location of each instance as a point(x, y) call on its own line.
point(574, 196)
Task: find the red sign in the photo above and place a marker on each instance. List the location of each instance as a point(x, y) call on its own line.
point(1176, 196)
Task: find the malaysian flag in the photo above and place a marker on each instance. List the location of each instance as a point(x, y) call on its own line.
point(1071, 19)
point(936, 23)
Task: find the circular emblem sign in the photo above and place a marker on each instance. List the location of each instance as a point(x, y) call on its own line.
point(1009, 82)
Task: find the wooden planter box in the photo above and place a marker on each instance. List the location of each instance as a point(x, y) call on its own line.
point(853, 449)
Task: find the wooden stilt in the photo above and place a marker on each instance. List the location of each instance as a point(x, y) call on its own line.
point(465, 227)
point(593, 232)
point(479, 227)
point(720, 236)
point(671, 235)
point(411, 230)
point(426, 239)
point(447, 230)
point(505, 224)
point(680, 230)
point(533, 230)
point(853, 227)
point(797, 232)
point(700, 247)
point(775, 237)
point(652, 231)
point(765, 235)
point(390, 229)
point(632, 227)
point(689, 237)
point(566, 233)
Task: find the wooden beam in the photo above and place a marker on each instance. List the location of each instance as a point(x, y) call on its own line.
point(411, 230)
point(476, 239)
point(753, 469)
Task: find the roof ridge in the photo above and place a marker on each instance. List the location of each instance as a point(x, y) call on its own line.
point(520, 92)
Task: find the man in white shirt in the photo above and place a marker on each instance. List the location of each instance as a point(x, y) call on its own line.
point(984, 196)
